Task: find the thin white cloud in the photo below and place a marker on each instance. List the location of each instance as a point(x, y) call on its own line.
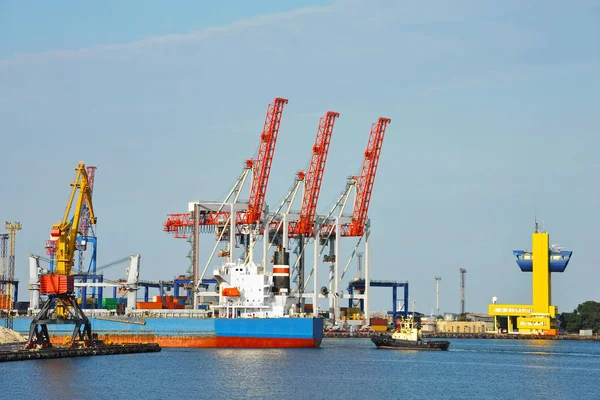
point(510, 75)
point(175, 38)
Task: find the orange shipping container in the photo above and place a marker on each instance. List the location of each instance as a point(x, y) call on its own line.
point(149, 305)
point(378, 322)
point(4, 301)
point(172, 306)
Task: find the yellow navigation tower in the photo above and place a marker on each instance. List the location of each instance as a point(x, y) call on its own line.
point(538, 318)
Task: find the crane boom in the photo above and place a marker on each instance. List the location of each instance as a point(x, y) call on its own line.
point(181, 224)
point(262, 164)
point(363, 185)
point(365, 181)
point(65, 233)
point(314, 177)
point(84, 224)
point(61, 305)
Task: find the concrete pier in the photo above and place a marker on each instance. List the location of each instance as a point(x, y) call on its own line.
point(10, 353)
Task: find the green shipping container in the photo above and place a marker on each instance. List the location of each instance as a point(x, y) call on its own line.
point(109, 302)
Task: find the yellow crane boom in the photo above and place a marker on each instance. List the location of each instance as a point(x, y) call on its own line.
point(65, 233)
point(61, 306)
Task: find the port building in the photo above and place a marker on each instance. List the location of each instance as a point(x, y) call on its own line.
point(538, 318)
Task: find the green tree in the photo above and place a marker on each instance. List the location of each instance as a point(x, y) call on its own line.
point(569, 321)
point(585, 316)
point(589, 312)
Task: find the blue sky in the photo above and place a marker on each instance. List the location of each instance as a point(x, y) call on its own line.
point(60, 25)
point(493, 107)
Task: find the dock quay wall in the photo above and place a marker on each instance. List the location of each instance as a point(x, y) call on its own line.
point(440, 335)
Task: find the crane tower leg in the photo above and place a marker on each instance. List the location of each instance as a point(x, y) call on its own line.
point(331, 290)
point(315, 275)
point(300, 306)
point(367, 303)
point(38, 330)
point(337, 270)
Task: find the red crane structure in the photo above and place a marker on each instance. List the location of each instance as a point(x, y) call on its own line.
point(364, 183)
point(181, 224)
point(356, 225)
point(314, 177)
point(262, 164)
point(304, 225)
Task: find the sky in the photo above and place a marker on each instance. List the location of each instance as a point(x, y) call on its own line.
point(494, 109)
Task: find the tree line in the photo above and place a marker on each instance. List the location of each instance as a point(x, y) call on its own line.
point(585, 316)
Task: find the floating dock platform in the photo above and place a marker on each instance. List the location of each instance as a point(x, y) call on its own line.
point(10, 353)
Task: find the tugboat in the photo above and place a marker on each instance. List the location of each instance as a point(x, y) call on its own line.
point(407, 336)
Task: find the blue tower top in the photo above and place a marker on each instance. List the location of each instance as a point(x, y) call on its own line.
point(559, 259)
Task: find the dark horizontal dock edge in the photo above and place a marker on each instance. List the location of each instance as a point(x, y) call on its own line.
point(439, 335)
point(62, 352)
point(449, 335)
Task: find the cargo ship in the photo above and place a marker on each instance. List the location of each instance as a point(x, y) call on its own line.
point(254, 310)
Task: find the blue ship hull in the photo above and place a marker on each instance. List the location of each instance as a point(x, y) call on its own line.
point(201, 332)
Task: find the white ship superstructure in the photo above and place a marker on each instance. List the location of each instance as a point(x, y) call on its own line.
point(246, 291)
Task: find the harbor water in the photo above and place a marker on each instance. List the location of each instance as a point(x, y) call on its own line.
point(339, 369)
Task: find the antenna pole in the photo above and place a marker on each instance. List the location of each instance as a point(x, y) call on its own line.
point(463, 273)
point(437, 295)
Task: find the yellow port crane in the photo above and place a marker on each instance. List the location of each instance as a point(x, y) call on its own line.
point(61, 306)
point(65, 233)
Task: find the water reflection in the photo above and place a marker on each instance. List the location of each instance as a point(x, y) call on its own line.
point(541, 369)
point(56, 377)
point(254, 355)
point(342, 369)
point(543, 344)
point(258, 372)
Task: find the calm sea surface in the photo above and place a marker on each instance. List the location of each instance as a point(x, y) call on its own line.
point(340, 369)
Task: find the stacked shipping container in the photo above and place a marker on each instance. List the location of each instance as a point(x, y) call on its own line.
point(379, 324)
point(4, 301)
point(163, 303)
